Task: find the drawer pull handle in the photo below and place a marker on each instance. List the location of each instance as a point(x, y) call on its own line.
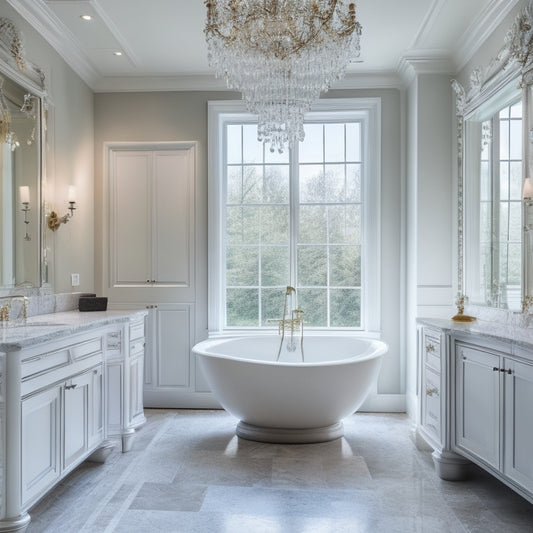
point(68, 387)
point(495, 369)
point(430, 348)
point(433, 391)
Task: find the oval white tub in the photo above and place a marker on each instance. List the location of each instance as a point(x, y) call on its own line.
point(290, 401)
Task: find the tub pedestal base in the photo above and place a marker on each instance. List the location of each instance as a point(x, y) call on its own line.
point(289, 436)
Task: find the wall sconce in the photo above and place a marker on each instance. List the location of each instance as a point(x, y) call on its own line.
point(24, 193)
point(54, 221)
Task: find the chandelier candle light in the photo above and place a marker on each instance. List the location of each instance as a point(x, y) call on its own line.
point(281, 54)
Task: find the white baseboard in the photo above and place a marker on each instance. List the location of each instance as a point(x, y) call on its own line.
point(173, 399)
point(384, 403)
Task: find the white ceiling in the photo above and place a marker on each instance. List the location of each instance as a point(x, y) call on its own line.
point(163, 46)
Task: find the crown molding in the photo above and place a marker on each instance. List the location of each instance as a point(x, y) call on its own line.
point(37, 14)
point(415, 62)
point(488, 19)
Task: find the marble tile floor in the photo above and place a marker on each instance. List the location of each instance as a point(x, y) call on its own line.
point(188, 472)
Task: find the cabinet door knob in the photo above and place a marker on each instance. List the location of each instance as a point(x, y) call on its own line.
point(509, 371)
point(430, 348)
point(147, 281)
point(73, 386)
point(495, 369)
point(431, 392)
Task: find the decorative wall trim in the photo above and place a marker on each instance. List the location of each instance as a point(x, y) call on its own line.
point(53, 31)
point(490, 17)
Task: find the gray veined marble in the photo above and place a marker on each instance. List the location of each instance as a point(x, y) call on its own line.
point(187, 472)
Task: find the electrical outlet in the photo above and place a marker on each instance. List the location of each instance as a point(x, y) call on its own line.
point(75, 280)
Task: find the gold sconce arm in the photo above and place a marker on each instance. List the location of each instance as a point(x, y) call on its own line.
point(54, 220)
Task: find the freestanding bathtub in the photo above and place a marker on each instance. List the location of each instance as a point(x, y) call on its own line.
point(290, 401)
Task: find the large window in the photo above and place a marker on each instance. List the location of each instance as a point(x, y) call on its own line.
point(298, 218)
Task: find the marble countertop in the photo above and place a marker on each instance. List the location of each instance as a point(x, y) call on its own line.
point(519, 332)
point(43, 328)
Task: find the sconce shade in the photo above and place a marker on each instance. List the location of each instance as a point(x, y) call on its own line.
point(24, 193)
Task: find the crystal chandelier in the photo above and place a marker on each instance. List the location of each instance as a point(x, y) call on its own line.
point(281, 54)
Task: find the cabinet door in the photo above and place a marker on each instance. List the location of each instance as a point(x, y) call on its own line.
point(40, 442)
point(431, 403)
point(136, 390)
point(96, 408)
point(75, 419)
point(173, 202)
point(477, 409)
point(518, 463)
point(130, 228)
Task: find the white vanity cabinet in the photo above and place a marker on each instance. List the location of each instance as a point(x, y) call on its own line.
point(431, 419)
point(484, 402)
point(477, 403)
point(59, 397)
point(124, 380)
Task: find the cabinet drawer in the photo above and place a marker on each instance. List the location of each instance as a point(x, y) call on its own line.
point(431, 349)
point(136, 330)
point(431, 402)
point(136, 347)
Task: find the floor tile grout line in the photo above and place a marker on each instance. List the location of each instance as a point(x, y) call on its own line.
point(123, 508)
point(120, 481)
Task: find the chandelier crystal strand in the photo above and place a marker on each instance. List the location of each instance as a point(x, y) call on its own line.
point(281, 54)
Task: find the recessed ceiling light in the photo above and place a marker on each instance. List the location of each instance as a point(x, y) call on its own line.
point(86, 17)
point(117, 53)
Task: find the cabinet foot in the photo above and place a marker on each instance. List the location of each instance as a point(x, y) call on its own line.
point(101, 454)
point(17, 523)
point(127, 440)
point(450, 466)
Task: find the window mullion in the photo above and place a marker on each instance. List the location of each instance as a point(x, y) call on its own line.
point(294, 201)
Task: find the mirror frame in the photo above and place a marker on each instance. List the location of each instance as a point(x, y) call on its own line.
point(512, 65)
point(15, 66)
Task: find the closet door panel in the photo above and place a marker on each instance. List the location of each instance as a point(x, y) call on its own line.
point(131, 226)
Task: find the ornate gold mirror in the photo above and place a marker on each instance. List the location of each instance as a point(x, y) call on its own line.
point(22, 94)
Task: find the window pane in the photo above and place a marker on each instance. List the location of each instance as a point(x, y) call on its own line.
point(335, 183)
point(234, 144)
point(312, 184)
point(274, 266)
point(252, 184)
point(252, 149)
point(353, 183)
point(312, 224)
point(515, 150)
point(276, 184)
point(504, 139)
point(234, 185)
point(344, 224)
point(484, 186)
point(345, 266)
point(272, 305)
point(353, 141)
point(334, 142)
point(311, 149)
point(514, 264)
point(275, 224)
point(242, 307)
point(516, 110)
point(242, 225)
point(504, 221)
point(242, 264)
point(515, 221)
point(345, 308)
point(516, 180)
point(312, 266)
point(313, 302)
point(504, 181)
